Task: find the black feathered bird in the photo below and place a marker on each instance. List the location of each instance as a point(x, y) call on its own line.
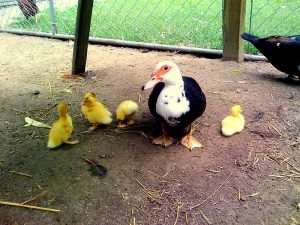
point(283, 52)
point(28, 8)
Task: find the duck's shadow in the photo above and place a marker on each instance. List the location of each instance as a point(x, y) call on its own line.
point(279, 78)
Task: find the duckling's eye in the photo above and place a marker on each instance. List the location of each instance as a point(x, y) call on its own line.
point(166, 67)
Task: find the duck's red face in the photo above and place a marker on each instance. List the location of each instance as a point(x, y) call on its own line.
point(159, 75)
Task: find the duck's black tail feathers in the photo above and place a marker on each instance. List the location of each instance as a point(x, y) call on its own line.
point(249, 37)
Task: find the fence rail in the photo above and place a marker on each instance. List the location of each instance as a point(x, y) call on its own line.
point(189, 23)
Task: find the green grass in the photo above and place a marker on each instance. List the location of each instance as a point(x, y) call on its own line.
point(174, 22)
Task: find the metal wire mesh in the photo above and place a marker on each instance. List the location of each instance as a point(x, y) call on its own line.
point(272, 17)
point(193, 23)
point(176, 22)
point(60, 18)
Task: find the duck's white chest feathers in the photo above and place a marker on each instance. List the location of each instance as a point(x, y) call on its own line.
point(172, 104)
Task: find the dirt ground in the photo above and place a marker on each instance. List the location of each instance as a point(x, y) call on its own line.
point(249, 178)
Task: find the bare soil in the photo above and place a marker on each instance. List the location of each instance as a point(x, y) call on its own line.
point(249, 178)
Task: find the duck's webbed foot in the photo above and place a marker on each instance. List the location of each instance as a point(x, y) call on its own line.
point(190, 142)
point(69, 142)
point(164, 140)
point(90, 129)
point(124, 124)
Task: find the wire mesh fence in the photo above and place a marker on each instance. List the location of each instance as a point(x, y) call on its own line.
point(192, 23)
point(272, 17)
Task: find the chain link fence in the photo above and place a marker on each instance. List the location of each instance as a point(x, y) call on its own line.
point(191, 23)
point(272, 17)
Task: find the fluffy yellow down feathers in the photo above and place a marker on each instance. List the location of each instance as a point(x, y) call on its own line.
point(234, 123)
point(125, 111)
point(61, 129)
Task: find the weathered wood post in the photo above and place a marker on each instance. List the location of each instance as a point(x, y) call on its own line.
point(83, 22)
point(233, 27)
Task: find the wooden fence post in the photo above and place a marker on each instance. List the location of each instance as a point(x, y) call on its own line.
point(233, 27)
point(83, 22)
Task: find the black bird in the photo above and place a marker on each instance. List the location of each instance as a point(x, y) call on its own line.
point(283, 52)
point(176, 101)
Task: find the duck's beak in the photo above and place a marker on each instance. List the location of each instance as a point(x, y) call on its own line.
point(155, 78)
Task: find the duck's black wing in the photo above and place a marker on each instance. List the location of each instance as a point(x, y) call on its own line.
point(281, 51)
point(153, 99)
point(197, 100)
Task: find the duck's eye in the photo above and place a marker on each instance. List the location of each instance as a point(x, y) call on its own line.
point(166, 67)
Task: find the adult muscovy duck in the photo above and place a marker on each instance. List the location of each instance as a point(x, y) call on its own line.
point(281, 51)
point(176, 101)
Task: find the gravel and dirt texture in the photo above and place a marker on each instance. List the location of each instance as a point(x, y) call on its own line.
point(249, 178)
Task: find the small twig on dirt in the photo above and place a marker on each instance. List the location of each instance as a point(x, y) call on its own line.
point(215, 92)
point(271, 158)
point(277, 130)
point(153, 194)
point(132, 217)
point(35, 197)
point(295, 221)
point(239, 193)
point(33, 133)
point(249, 154)
point(284, 160)
point(278, 176)
point(20, 173)
point(28, 206)
point(133, 131)
point(294, 168)
point(213, 171)
point(49, 86)
point(177, 213)
point(18, 110)
point(140, 97)
point(201, 203)
point(140, 184)
point(186, 218)
point(174, 53)
point(252, 195)
point(255, 160)
point(285, 175)
point(166, 174)
point(51, 200)
point(205, 217)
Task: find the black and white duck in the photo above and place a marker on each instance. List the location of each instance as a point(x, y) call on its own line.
point(176, 102)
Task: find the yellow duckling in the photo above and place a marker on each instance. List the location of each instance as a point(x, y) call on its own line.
point(234, 123)
point(61, 129)
point(95, 111)
point(125, 112)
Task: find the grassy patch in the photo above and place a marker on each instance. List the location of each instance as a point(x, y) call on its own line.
point(175, 22)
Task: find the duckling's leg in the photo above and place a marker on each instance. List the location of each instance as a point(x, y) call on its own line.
point(164, 140)
point(130, 122)
point(90, 129)
point(71, 142)
point(121, 124)
point(189, 141)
